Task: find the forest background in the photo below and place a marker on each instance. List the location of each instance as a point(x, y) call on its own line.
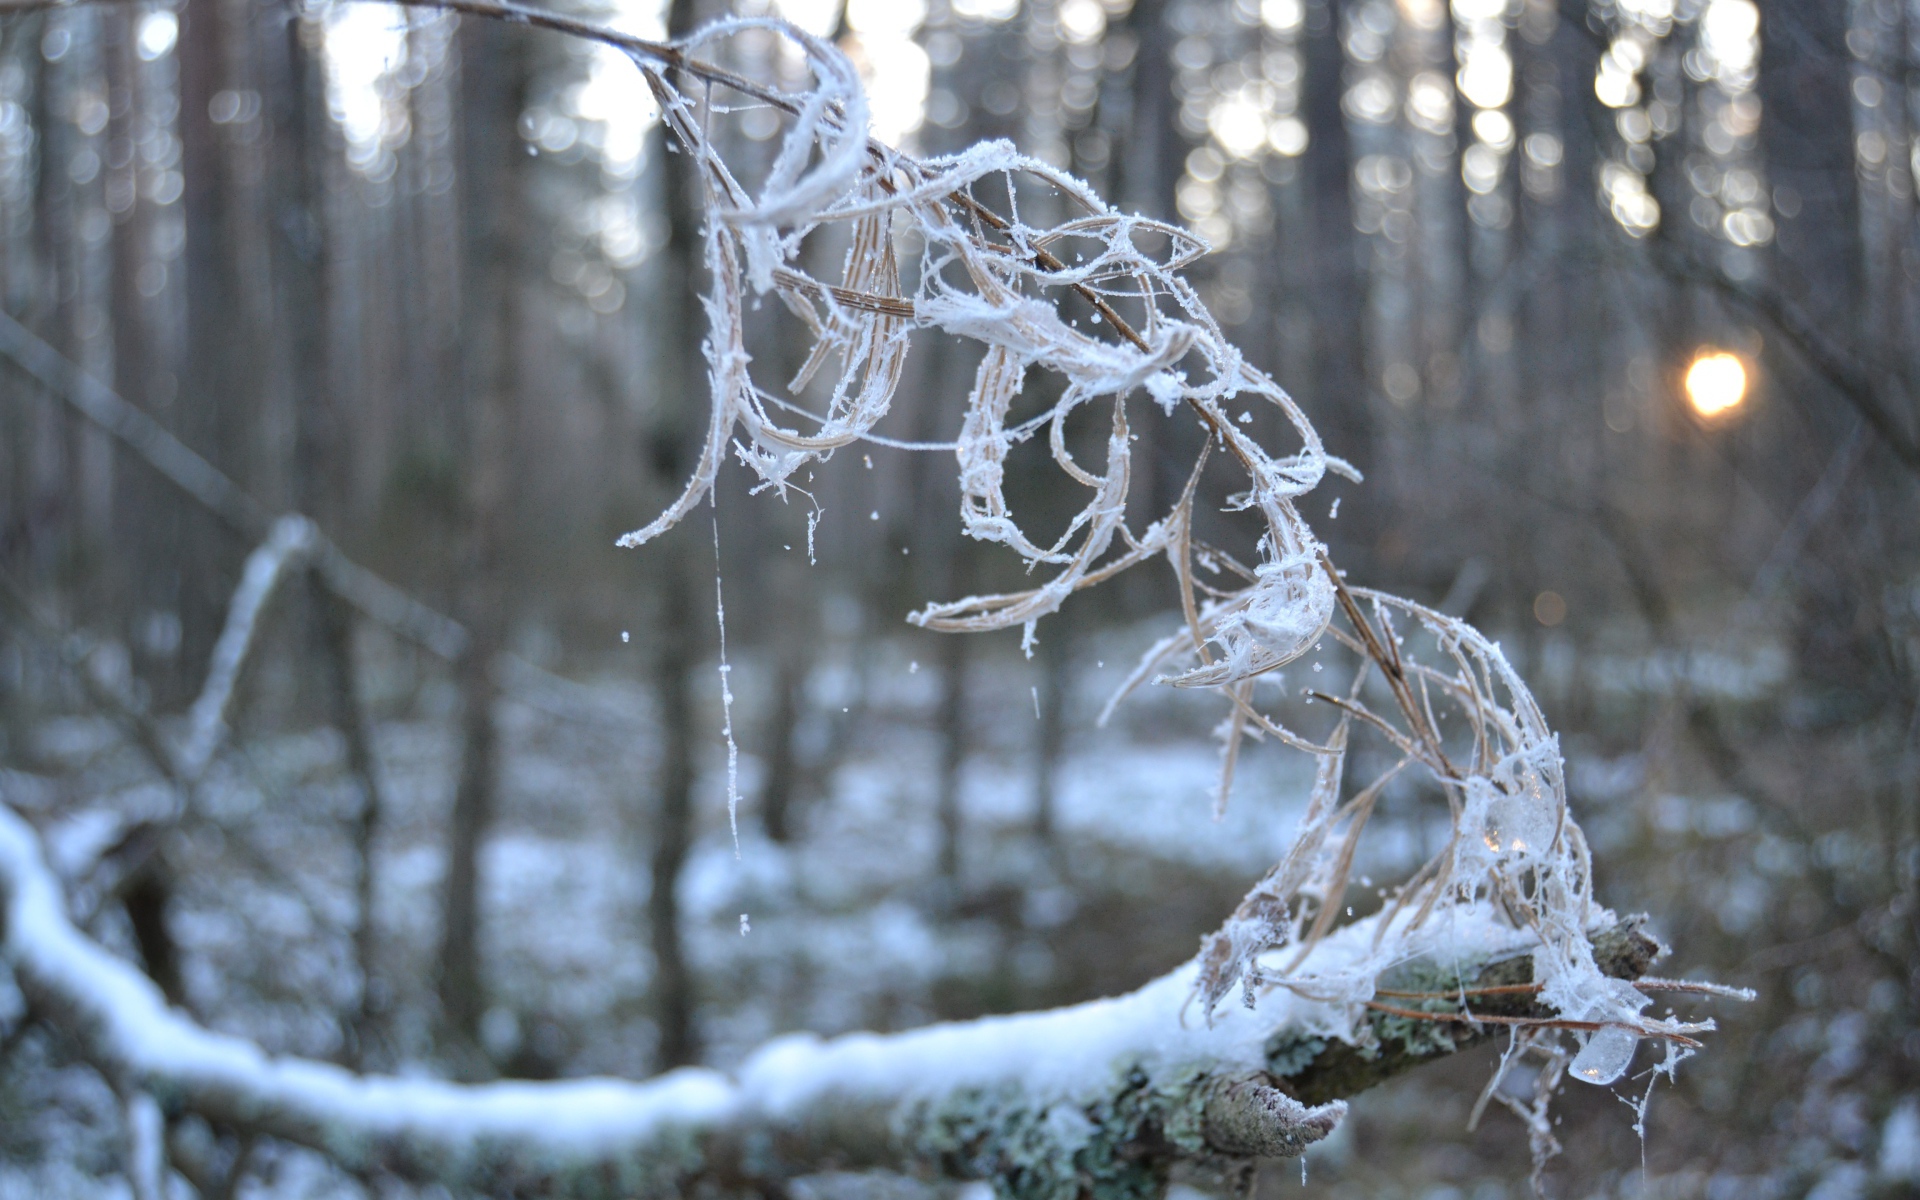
point(432, 284)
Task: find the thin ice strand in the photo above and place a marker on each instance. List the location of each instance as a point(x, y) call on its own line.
point(726, 690)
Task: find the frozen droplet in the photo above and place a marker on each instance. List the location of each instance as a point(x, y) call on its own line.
point(746, 926)
point(1516, 824)
point(874, 515)
point(1606, 1057)
point(625, 636)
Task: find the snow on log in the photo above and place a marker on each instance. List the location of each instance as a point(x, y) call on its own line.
point(1101, 1098)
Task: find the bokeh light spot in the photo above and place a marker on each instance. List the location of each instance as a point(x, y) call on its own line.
point(1716, 383)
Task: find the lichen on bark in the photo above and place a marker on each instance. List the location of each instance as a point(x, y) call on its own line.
point(1119, 1143)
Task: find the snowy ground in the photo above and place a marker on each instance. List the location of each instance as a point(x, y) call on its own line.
point(846, 928)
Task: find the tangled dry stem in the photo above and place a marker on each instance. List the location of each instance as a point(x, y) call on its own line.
point(984, 273)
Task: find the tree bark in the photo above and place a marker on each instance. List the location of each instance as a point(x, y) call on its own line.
point(674, 558)
point(304, 340)
point(1334, 273)
point(783, 759)
point(673, 991)
point(1056, 656)
point(495, 73)
point(953, 753)
point(221, 369)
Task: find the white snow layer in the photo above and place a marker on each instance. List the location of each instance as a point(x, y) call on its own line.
point(1064, 1053)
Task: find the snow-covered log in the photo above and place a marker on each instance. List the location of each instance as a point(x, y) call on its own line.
point(1104, 1098)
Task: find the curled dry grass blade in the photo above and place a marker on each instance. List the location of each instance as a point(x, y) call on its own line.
point(980, 271)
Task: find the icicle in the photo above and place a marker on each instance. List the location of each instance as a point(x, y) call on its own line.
point(726, 693)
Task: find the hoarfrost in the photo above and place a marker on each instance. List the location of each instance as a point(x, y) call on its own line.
point(986, 275)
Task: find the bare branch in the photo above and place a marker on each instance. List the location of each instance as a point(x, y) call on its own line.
point(198, 478)
point(146, 1146)
point(291, 539)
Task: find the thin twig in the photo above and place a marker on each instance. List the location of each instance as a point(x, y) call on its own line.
point(1473, 1018)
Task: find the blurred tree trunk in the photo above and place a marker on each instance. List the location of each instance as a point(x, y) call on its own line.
point(221, 371)
point(674, 661)
point(148, 581)
point(176, 564)
point(1339, 381)
point(785, 608)
point(1149, 161)
point(682, 387)
point(148, 899)
point(305, 342)
point(495, 74)
point(56, 436)
point(783, 760)
point(146, 518)
point(1056, 660)
point(38, 433)
point(1805, 94)
point(953, 752)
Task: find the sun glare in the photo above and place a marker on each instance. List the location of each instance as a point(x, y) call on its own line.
point(1716, 383)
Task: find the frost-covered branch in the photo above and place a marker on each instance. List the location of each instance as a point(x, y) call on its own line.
point(146, 1147)
point(941, 245)
point(185, 761)
point(1112, 1094)
point(986, 275)
point(291, 539)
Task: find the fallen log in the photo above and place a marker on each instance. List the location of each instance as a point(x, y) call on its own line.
point(1103, 1098)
